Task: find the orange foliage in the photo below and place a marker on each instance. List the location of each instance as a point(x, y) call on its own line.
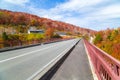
point(110, 42)
point(49, 32)
point(116, 51)
point(20, 18)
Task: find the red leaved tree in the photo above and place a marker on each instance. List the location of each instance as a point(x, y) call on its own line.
point(49, 33)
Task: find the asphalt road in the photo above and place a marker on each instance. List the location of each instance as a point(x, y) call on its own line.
point(76, 66)
point(21, 64)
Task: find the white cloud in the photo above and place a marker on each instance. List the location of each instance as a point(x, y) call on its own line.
point(111, 11)
point(20, 2)
point(61, 10)
point(65, 12)
point(87, 16)
point(76, 5)
point(104, 14)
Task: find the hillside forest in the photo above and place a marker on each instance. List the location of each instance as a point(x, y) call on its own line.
point(14, 28)
point(109, 41)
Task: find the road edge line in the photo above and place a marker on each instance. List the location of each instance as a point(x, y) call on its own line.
point(90, 63)
point(46, 68)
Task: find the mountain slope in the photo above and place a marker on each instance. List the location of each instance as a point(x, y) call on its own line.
point(21, 18)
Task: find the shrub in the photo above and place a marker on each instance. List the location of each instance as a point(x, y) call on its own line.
point(4, 36)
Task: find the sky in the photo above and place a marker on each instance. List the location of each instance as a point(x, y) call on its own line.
point(92, 14)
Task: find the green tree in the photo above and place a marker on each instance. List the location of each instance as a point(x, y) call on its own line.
point(98, 38)
point(56, 36)
point(4, 36)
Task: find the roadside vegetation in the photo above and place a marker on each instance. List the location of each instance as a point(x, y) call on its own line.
point(109, 41)
point(21, 39)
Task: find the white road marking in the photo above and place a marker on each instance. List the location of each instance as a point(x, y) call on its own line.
point(91, 65)
point(26, 54)
point(53, 60)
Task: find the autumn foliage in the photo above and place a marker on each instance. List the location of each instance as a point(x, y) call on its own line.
point(49, 32)
point(109, 41)
point(22, 21)
point(14, 28)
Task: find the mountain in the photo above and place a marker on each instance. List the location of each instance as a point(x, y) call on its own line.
point(26, 19)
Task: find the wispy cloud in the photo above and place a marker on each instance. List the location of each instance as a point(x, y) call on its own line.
point(111, 11)
point(75, 5)
point(73, 11)
point(16, 2)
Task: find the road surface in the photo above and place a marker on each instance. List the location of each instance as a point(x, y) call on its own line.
point(23, 64)
point(76, 66)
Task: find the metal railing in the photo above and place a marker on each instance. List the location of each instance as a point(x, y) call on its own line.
point(106, 67)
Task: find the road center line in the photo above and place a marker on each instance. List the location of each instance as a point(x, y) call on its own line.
point(40, 70)
point(26, 54)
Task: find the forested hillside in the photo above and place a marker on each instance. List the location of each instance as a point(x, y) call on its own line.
point(109, 41)
point(21, 22)
point(14, 28)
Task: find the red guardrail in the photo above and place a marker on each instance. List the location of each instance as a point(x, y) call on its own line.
point(106, 67)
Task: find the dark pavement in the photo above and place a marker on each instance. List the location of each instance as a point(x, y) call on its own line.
point(76, 66)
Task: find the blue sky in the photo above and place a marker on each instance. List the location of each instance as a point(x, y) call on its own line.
point(92, 14)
